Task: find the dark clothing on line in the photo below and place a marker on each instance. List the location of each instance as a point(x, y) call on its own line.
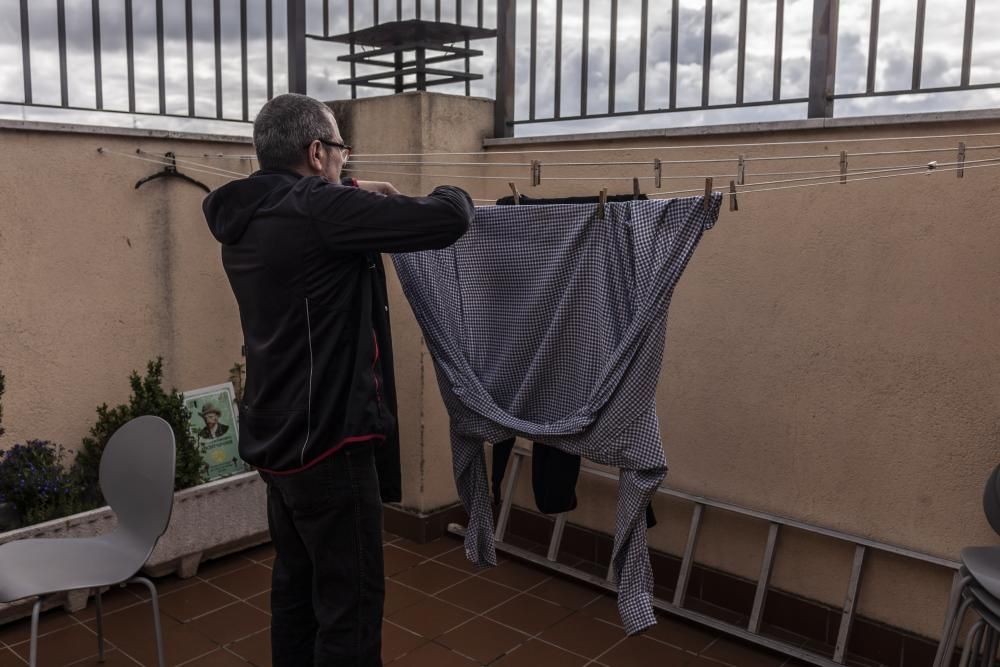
point(554, 474)
point(327, 587)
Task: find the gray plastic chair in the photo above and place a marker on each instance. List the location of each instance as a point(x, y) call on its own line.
point(137, 479)
point(978, 589)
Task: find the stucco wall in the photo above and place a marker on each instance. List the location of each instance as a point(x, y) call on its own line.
point(97, 278)
point(832, 355)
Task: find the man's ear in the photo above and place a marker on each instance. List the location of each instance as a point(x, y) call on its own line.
point(314, 158)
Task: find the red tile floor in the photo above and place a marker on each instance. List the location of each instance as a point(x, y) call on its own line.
point(439, 612)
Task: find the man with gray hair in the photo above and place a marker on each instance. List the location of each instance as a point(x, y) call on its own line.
point(301, 250)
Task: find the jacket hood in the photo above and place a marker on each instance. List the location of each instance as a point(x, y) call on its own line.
point(230, 209)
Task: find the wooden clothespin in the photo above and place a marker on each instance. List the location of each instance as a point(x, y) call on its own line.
point(733, 204)
point(635, 188)
point(708, 194)
point(843, 167)
point(741, 170)
point(658, 173)
point(961, 160)
point(517, 195)
point(536, 173)
point(601, 202)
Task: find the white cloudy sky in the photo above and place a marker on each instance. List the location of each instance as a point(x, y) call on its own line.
point(941, 64)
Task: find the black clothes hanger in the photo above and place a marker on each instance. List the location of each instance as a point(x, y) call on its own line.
point(170, 171)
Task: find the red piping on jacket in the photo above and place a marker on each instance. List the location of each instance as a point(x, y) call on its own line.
point(332, 450)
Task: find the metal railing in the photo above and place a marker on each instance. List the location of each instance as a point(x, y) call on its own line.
point(546, 102)
point(819, 99)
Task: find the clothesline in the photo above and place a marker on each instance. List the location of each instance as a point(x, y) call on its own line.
point(826, 174)
point(645, 148)
point(838, 178)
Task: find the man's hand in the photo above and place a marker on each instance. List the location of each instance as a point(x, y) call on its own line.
point(381, 187)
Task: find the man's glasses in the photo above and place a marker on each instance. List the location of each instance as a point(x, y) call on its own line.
point(335, 144)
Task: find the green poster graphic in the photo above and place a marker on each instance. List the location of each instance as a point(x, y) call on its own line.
point(215, 428)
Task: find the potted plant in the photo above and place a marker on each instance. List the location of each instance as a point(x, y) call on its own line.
point(208, 519)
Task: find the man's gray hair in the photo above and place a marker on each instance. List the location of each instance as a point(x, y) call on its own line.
point(285, 125)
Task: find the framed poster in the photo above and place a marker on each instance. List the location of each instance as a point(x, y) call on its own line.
point(215, 428)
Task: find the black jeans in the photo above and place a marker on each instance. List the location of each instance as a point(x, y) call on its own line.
point(327, 587)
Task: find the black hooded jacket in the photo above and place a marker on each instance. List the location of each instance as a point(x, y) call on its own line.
point(302, 258)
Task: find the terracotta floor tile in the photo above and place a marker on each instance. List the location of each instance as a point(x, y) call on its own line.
point(539, 653)
point(259, 553)
point(219, 658)
point(430, 577)
point(687, 636)
point(398, 596)
point(397, 560)
point(245, 582)
point(231, 623)
point(430, 618)
point(529, 614)
point(10, 659)
point(262, 601)
point(604, 608)
point(111, 600)
point(515, 575)
point(131, 630)
point(63, 647)
point(566, 593)
point(429, 549)
point(397, 641)
point(433, 655)
point(163, 585)
point(113, 658)
point(456, 558)
point(193, 601)
point(256, 648)
point(583, 634)
point(477, 594)
point(49, 621)
point(219, 566)
point(483, 640)
point(741, 655)
point(644, 652)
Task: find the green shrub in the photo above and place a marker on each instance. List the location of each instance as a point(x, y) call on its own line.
point(148, 398)
point(33, 479)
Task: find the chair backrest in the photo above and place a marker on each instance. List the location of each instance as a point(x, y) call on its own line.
point(991, 500)
point(137, 476)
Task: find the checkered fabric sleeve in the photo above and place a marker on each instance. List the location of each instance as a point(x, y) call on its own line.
point(548, 323)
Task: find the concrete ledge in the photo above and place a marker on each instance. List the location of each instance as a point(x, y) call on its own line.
point(771, 127)
point(46, 126)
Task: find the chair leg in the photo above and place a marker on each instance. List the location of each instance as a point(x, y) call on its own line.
point(990, 647)
point(156, 616)
point(949, 619)
point(971, 647)
point(33, 655)
point(948, 643)
point(984, 644)
point(100, 625)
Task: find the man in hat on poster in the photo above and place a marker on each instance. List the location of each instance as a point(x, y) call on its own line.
point(213, 427)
